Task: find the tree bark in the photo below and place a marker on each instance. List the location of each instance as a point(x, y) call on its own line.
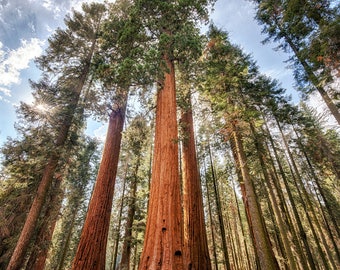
point(127, 244)
point(47, 177)
point(163, 242)
point(301, 231)
point(38, 202)
point(244, 198)
point(38, 256)
point(116, 231)
point(242, 229)
point(219, 214)
point(272, 199)
point(91, 250)
point(263, 246)
point(66, 245)
point(195, 236)
point(212, 225)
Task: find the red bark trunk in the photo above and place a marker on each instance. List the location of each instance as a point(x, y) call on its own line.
point(91, 250)
point(49, 170)
point(195, 236)
point(38, 256)
point(163, 244)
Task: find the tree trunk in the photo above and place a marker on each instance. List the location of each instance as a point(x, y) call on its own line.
point(301, 230)
point(195, 236)
point(244, 198)
point(66, 245)
point(219, 213)
point(242, 230)
point(272, 199)
point(282, 202)
point(304, 197)
point(212, 225)
point(33, 215)
point(314, 80)
point(263, 246)
point(45, 183)
point(38, 256)
point(91, 250)
point(116, 231)
point(127, 244)
point(317, 181)
point(163, 244)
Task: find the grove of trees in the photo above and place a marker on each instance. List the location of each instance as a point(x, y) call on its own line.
point(207, 163)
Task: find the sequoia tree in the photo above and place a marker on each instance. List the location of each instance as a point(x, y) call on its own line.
point(65, 45)
point(195, 236)
point(115, 66)
point(227, 72)
point(171, 23)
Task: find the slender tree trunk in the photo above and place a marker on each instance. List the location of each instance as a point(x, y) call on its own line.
point(308, 208)
point(212, 226)
point(301, 231)
point(117, 230)
point(61, 264)
point(163, 244)
point(91, 250)
point(244, 198)
point(317, 181)
point(235, 232)
point(38, 257)
point(267, 176)
point(282, 203)
point(219, 213)
point(127, 244)
point(33, 215)
point(195, 236)
point(242, 229)
point(327, 205)
point(45, 183)
point(328, 229)
point(263, 246)
point(231, 238)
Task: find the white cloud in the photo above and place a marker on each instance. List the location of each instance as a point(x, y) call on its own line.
point(100, 133)
point(6, 91)
point(76, 4)
point(52, 7)
point(12, 62)
point(48, 4)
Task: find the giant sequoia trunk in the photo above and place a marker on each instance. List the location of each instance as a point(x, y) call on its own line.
point(261, 240)
point(195, 236)
point(92, 246)
point(163, 244)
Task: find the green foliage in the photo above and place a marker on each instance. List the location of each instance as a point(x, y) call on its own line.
point(172, 27)
point(68, 50)
point(78, 182)
point(308, 28)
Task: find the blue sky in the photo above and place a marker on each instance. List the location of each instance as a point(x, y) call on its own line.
point(25, 26)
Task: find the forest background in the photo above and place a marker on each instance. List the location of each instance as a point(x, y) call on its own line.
point(227, 147)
